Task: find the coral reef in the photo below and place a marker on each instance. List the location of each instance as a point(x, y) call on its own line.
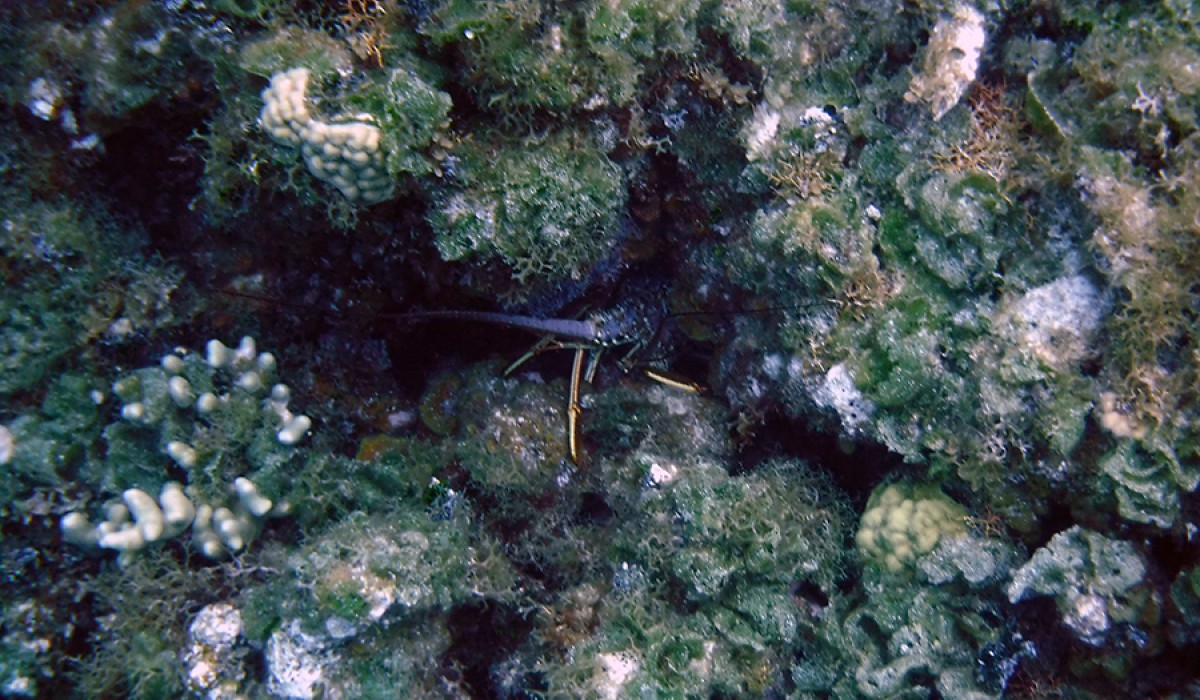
point(905, 407)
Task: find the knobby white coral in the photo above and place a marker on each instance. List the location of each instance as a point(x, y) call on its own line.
point(344, 152)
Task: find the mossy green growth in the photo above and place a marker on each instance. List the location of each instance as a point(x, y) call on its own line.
point(898, 641)
point(263, 607)
point(147, 56)
point(511, 440)
point(588, 56)
point(778, 525)
point(402, 564)
point(758, 616)
point(147, 606)
point(751, 26)
point(908, 372)
point(1137, 79)
point(409, 111)
point(882, 161)
point(899, 364)
point(66, 275)
point(153, 667)
point(546, 209)
point(962, 238)
point(520, 56)
point(644, 649)
point(406, 662)
point(801, 251)
point(247, 9)
point(625, 36)
point(509, 434)
point(627, 424)
point(328, 487)
point(1185, 593)
point(290, 47)
point(49, 445)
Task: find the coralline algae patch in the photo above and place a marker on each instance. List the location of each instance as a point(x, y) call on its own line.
point(344, 152)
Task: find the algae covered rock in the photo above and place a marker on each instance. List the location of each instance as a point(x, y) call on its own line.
point(1092, 578)
point(545, 209)
point(1147, 480)
point(1185, 593)
point(781, 524)
point(902, 638)
point(404, 571)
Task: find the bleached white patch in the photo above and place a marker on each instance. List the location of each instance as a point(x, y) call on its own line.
point(839, 393)
point(43, 98)
point(613, 672)
point(1057, 322)
point(760, 133)
point(8, 445)
point(951, 61)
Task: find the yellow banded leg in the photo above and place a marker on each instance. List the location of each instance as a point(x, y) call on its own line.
point(673, 380)
point(574, 410)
